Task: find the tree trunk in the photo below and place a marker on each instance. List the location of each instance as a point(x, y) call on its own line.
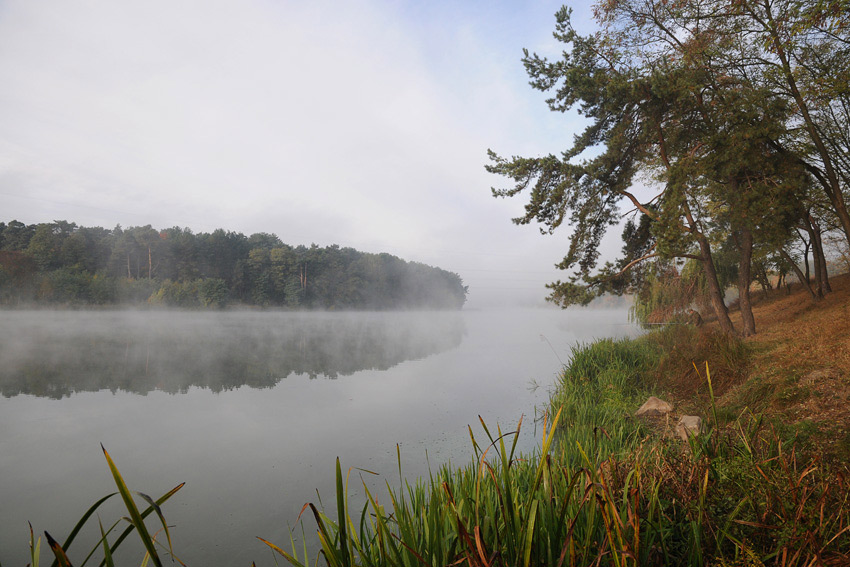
point(715, 293)
point(763, 279)
point(817, 242)
point(806, 245)
point(843, 216)
point(816, 258)
point(806, 262)
point(781, 282)
point(829, 179)
point(800, 274)
point(744, 279)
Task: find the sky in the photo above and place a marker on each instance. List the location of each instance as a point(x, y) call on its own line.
point(364, 124)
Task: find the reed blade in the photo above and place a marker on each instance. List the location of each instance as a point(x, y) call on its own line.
point(58, 552)
point(286, 555)
point(80, 524)
point(135, 515)
point(107, 554)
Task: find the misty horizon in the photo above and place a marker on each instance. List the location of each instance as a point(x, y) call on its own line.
point(225, 121)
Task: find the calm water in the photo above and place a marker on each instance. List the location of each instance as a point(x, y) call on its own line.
point(252, 409)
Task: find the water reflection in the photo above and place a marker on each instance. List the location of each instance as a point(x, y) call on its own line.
point(54, 354)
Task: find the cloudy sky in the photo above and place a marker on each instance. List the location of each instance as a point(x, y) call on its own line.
point(363, 123)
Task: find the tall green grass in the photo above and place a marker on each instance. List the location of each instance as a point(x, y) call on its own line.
point(598, 393)
point(135, 524)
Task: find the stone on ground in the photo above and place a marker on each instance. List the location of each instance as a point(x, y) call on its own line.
point(654, 406)
point(689, 426)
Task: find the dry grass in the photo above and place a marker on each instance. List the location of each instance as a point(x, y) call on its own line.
point(800, 333)
point(799, 370)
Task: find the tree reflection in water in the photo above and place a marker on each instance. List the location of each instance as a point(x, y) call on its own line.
point(54, 354)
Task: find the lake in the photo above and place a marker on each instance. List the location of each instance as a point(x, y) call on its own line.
point(251, 409)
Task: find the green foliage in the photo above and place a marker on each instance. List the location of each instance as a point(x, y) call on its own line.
point(103, 289)
point(16, 236)
point(68, 285)
point(599, 389)
point(62, 263)
point(176, 294)
point(731, 112)
point(213, 292)
point(666, 292)
point(135, 291)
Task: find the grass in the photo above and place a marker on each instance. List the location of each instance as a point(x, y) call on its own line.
point(598, 392)
point(799, 370)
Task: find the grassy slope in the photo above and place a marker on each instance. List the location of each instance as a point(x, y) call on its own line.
point(801, 365)
point(798, 369)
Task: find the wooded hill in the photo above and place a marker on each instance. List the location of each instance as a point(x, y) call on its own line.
point(62, 263)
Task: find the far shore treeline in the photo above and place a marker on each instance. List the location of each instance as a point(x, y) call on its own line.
point(65, 264)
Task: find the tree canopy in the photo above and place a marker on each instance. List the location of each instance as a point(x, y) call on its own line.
point(61, 262)
point(712, 122)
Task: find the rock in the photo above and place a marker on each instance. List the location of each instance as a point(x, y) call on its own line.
point(688, 426)
point(820, 375)
point(654, 406)
point(694, 318)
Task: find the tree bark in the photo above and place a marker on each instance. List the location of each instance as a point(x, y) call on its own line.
point(816, 257)
point(744, 280)
point(806, 262)
point(829, 179)
point(806, 245)
point(763, 280)
point(783, 282)
point(817, 242)
point(715, 293)
point(800, 274)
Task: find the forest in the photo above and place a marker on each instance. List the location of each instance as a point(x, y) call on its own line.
point(60, 263)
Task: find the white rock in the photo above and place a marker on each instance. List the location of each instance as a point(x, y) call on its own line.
point(654, 406)
point(688, 426)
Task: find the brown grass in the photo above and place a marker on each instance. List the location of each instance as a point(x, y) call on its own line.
point(799, 367)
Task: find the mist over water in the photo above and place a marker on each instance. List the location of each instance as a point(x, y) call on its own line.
point(57, 353)
point(251, 409)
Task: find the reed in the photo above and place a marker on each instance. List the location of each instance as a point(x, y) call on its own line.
point(136, 520)
point(598, 392)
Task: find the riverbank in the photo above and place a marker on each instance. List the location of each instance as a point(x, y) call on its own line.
point(756, 487)
point(795, 373)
